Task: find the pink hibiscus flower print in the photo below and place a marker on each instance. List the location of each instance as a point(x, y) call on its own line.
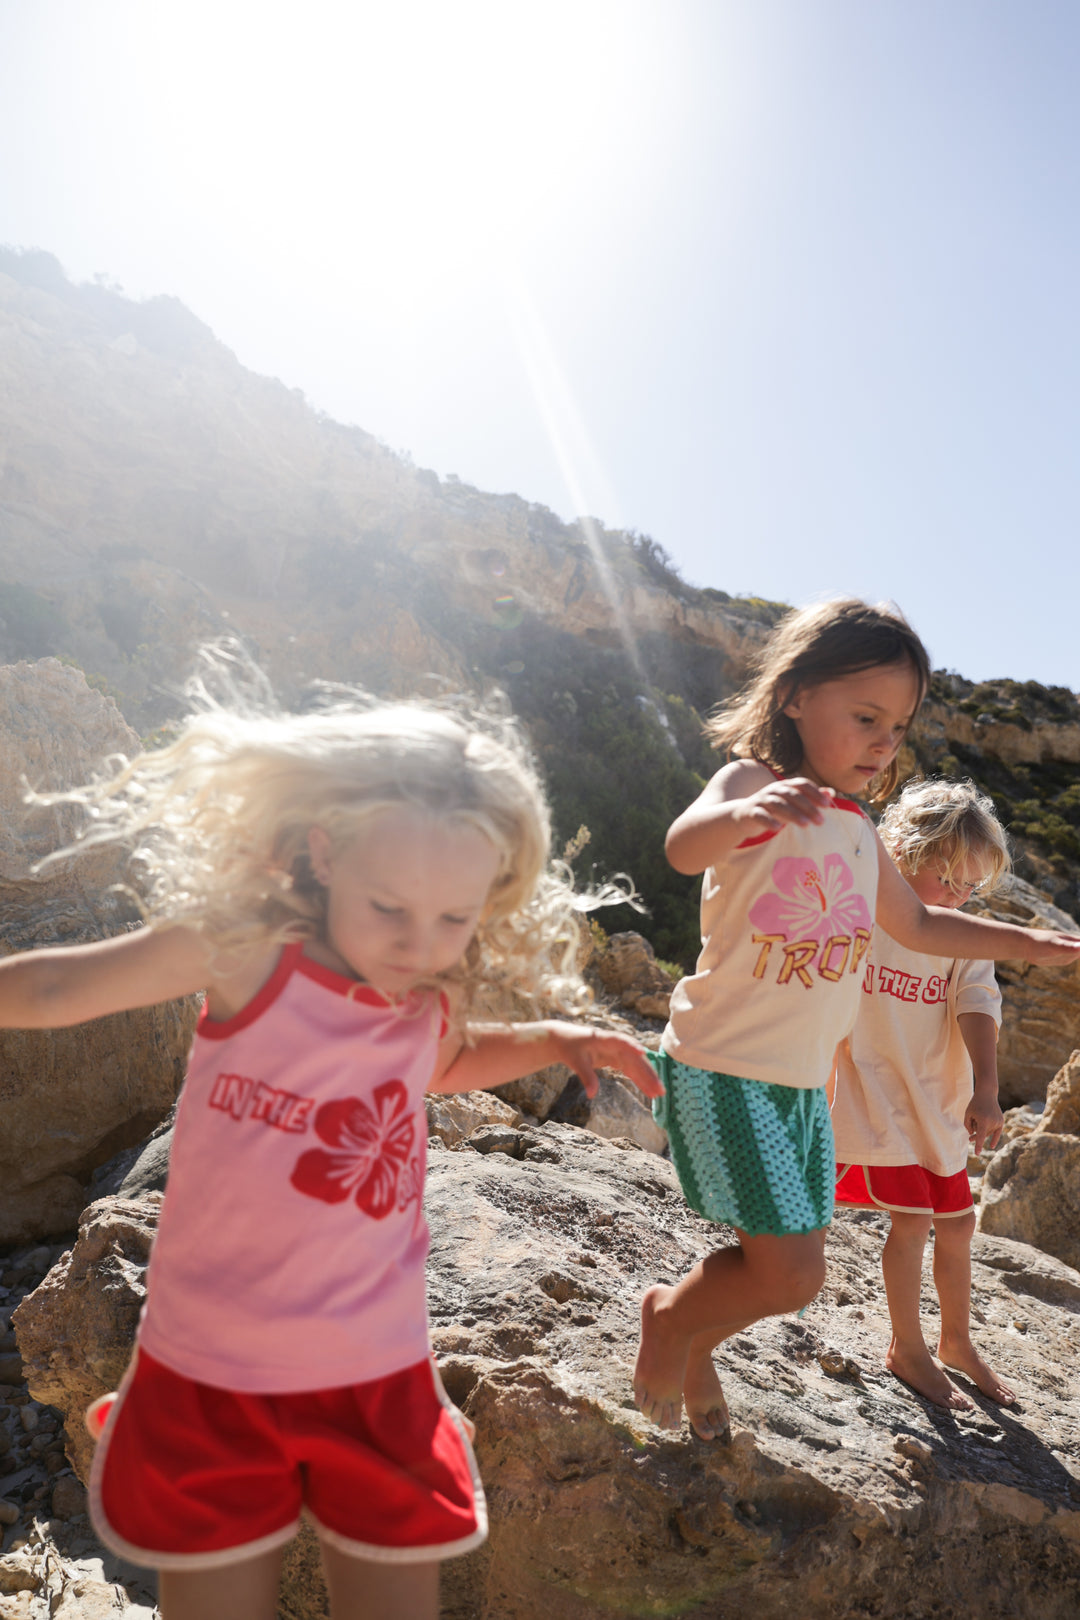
point(367, 1150)
point(811, 904)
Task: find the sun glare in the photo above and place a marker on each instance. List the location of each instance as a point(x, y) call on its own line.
point(412, 141)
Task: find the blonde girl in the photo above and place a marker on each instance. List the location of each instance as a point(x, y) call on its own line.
point(917, 1088)
point(794, 875)
point(344, 885)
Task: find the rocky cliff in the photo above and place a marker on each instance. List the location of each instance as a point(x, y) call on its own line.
point(154, 493)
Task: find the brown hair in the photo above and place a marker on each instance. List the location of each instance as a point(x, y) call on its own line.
point(950, 822)
point(812, 645)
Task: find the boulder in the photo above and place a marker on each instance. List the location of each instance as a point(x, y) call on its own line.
point(537, 1093)
point(453, 1118)
point(69, 1098)
point(841, 1494)
point(627, 968)
point(1062, 1112)
point(1040, 1005)
point(1031, 1192)
point(1031, 1185)
point(617, 1110)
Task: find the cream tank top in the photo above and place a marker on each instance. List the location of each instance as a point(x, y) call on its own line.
point(786, 922)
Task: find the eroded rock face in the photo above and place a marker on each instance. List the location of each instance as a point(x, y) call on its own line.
point(1040, 1005)
point(628, 970)
point(1031, 1186)
point(1062, 1112)
point(841, 1494)
point(69, 1098)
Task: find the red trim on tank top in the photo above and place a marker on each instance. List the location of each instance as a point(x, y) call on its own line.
point(763, 838)
point(292, 960)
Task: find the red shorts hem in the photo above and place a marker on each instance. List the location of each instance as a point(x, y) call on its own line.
point(187, 1476)
point(903, 1189)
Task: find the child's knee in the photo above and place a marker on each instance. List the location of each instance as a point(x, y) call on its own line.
point(955, 1231)
point(795, 1284)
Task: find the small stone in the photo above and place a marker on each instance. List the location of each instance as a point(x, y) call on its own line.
point(68, 1498)
point(9, 1513)
point(495, 1139)
point(15, 1576)
point(11, 1369)
point(916, 1450)
point(836, 1365)
point(39, 1260)
point(28, 1417)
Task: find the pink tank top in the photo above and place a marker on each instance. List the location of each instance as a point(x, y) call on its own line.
point(291, 1248)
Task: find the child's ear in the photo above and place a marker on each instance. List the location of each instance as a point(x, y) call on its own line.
point(319, 850)
point(792, 706)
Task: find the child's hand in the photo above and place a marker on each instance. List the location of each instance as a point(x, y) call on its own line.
point(585, 1049)
point(1051, 950)
point(796, 800)
point(984, 1123)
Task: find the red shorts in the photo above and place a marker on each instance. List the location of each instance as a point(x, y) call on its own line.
point(187, 1476)
point(906, 1188)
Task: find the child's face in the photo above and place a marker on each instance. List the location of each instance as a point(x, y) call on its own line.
point(404, 897)
point(934, 889)
point(850, 728)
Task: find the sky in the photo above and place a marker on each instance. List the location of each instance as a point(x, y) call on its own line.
point(788, 285)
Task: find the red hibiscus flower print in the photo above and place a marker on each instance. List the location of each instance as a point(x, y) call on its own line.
point(366, 1151)
point(811, 904)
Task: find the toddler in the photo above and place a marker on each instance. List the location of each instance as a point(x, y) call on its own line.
point(916, 1086)
point(344, 885)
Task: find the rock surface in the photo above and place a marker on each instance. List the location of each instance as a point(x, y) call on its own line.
point(1040, 1005)
point(1031, 1185)
point(628, 970)
point(841, 1494)
point(1062, 1111)
point(69, 1098)
point(50, 1563)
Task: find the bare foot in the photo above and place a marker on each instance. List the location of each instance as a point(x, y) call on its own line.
point(924, 1376)
point(966, 1359)
point(661, 1361)
point(705, 1404)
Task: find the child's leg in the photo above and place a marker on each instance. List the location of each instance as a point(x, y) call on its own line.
point(729, 1289)
point(245, 1591)
point(907, 1357)
point(952, 1277)
point(364, 1590)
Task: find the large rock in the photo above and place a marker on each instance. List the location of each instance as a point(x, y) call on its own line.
point(842, 1494)
point(1040, 1005)
point(69, 1098)
point(1031, 1186)
point(617, 1111)
point(628, 970)
point(1062, 1111)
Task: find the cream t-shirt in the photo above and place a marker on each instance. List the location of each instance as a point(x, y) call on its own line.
point(904, 1077)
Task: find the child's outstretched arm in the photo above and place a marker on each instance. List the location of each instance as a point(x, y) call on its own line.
point(938, 931)
point(741, 801)
point(503, 1052)
point(53, 988)
point(983, 1119)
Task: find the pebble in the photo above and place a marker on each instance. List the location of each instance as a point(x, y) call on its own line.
point(9, 1513)
point(28, 1418)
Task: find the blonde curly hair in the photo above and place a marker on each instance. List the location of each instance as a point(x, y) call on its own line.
point(218, 822)
point(950, 823)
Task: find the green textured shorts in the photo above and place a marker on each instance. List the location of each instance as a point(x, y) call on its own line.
point(748, 1154)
